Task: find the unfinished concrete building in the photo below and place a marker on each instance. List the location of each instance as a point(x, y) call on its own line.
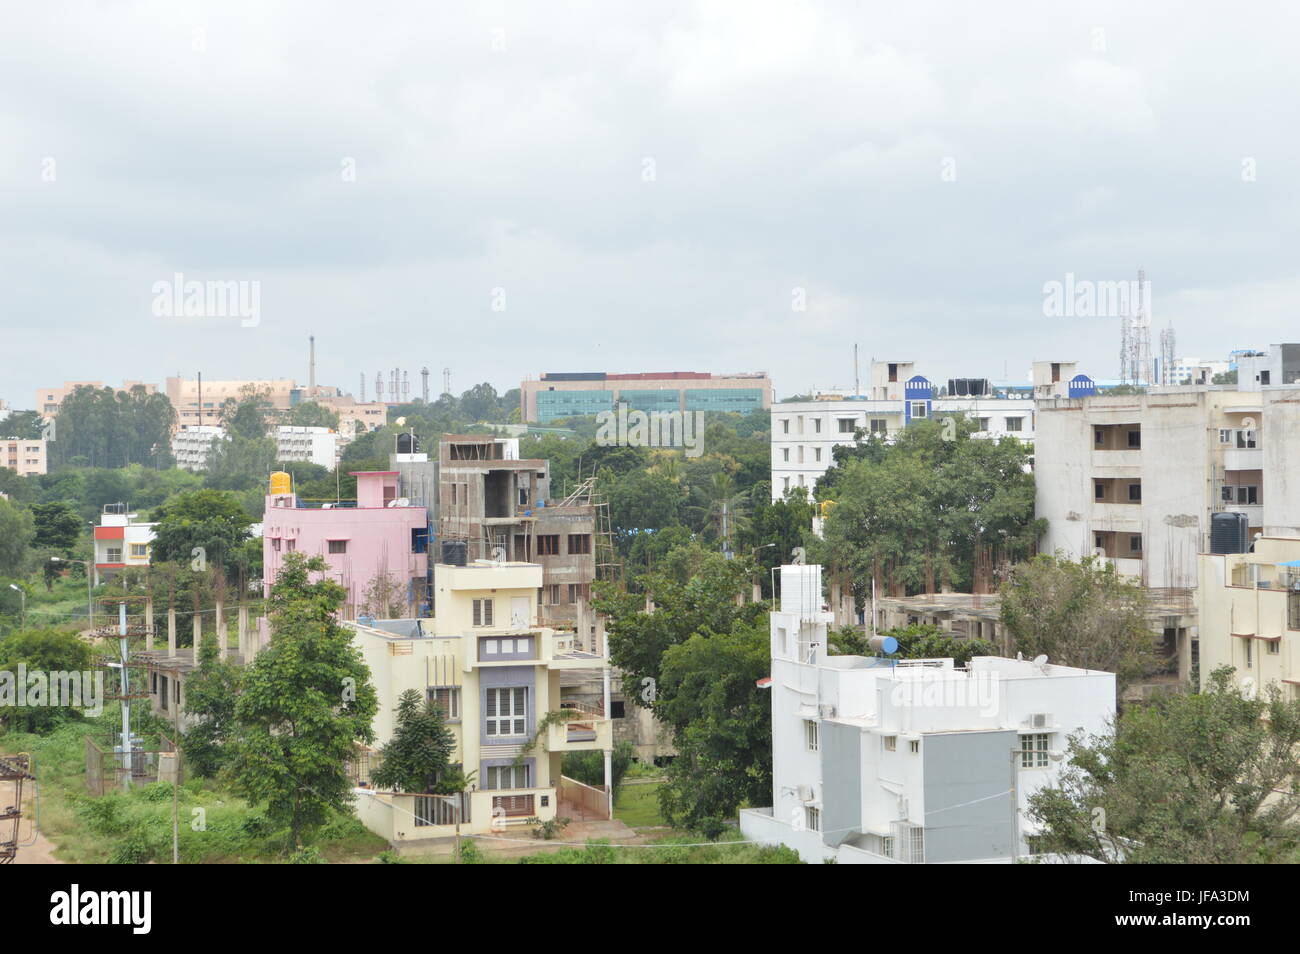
point(501, 508)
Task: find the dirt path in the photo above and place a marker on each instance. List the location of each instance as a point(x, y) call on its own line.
point(39, 852)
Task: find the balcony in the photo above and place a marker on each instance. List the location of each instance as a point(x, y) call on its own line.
point(1243, 458)
point(586, 730)
point(1110, 462)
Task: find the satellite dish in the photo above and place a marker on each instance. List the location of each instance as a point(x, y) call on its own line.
point(402, 502)
point(1040, 660)
point(400, 422)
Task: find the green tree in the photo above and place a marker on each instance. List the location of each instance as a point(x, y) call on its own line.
point(916, 641)
point(211, 522)
point(17, 530)
point(22, 425)
point(722, 726)
point(57, 525)
point(1194, 778)
point(419, 751)
point(211, 692)
point(311, 414)
point(106, 427)
point(306, 702)
point(1079, 613)
point(925, 501)
point(46, 650)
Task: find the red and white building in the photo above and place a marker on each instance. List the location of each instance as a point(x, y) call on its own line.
point(121, 541)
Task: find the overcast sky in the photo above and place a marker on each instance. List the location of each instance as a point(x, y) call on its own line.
point(511, 188)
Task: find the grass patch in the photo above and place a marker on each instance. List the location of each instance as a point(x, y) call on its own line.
point(637, 806)
point(672, 850)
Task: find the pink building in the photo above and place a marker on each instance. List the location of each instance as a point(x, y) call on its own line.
point(376, 546)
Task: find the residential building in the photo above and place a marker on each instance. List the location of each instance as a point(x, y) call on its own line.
point(27, 457)
point(316, 445)
point(502, 507)
point(376, 545)
point(49, 400)
point(806, 433)
point(876, 761)
point(496, 672)
point(1136, 478)
point(1250, 615)
point(1196, 371)
point(121, 541)
point(570, 394)
point(184, 393)
point(192, 445)
point(355, 417)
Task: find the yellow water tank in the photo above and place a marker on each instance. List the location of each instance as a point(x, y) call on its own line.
point(281, 483)
point(827, 507)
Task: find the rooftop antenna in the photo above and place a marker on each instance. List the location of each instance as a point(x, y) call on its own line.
point(446, 380)
point(857, 390)
point(424, 385)
point(311, 365)
point(363, 387)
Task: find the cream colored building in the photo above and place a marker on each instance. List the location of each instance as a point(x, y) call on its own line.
point(184, 393)
point(496, 673)
point(26, 456)
point(1250, 615)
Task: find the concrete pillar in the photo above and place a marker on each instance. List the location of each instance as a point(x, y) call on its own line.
point(148, 622)
point(198, 635)
point(222, 639)
point(171, 630)
point(242, 625)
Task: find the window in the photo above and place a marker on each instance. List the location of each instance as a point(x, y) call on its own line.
point(548, 544)
point(1134, 438)
point(1135, 492)
point(617, 709)
point(446, 698)
point(1245, 439)
point(1098, 436)
point(1273, 646)
point(891, 743)
point(817, 425)
point(164, 693)
point(579, 591)
point(139, 550)
point(817, 453)
point(847, 425)
point(782, 640)
point(981, 423)
point(579, 543)
point(508, 776)
point(1033, 750)
point(1015, 424)
point(1264, 377)
point(1099, 490)
point(810, 735)
point(483, 612)
point(338, 546)
point(275, 544)
point(878, 425)
point(1250, 654)
point(785, 425)
point(506, 712)
point(291, 545)
point(113, 555)
point(523, 496)
point(918, 409)
point(914, 746)
point(1225, 435)
point(785, 454)
point(812, 818)
point(1227, 494)
point(1135, 543)
point(1247, 496)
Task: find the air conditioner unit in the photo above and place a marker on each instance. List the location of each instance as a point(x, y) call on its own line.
point(805, 793)
point(1040, 720)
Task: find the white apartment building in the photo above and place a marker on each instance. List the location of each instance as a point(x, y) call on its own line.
point(1250, 615)
point(27, 457)
point(1137, 478)
point(806, 433)
point(316, 445)
point(121, 541)
point(915, 762)
point(192, 445)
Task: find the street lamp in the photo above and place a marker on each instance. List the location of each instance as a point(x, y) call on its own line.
point(23, 595)
point(1055, 755)
point(90, 606)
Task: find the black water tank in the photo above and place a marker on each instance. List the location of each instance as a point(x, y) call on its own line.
point(455, 552)
point(408, 444)
point(1229, 533)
